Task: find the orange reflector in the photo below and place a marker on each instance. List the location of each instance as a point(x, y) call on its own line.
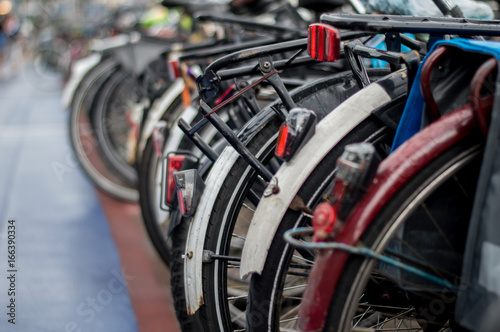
point(323, 42)
point(174, 164)
point(280, 150)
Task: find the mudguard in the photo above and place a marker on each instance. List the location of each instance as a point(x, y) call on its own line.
point(157, 110)
point(198, 228)
point(391, 175)
point(78, 71)
point(292, 175)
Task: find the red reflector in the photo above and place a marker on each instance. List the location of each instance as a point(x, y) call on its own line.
point(323, 221)
point(174, 164)
point(323, 42)
point(280, 150)
point(180, 199)
point(174, 69)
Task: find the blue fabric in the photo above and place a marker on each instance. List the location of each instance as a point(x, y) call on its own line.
point(411, 120)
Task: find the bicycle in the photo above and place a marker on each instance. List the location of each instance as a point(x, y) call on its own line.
point(426, 186)
point(227, 202)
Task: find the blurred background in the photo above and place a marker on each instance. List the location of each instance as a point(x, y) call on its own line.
point(52, 34)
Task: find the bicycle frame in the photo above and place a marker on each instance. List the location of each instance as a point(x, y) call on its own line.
point(208, 84)
point(430, 25)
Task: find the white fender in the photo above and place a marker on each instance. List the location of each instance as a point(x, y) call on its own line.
point(158, 108)
point(197, 230)
point(294, 173)
point(195, 242)
point(78, 71)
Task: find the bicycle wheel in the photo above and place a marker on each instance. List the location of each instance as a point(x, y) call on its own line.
point(113, 124)
point(155, 219)
point(424, 225)
point(224, 294)
point(83, 139)
point(275, 294)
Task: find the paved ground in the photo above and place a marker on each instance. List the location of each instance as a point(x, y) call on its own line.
point(80, 261)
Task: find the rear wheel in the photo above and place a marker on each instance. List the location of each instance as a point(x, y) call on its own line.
point(224, 294)
point(114, 124)
point(424, 225)
point(275, 294)
point(83, 138)
point(155, 219)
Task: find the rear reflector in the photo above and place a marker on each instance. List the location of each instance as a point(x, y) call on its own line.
point(356, 168)
point(323, 42)
point(297, 129)
point(280, 150)
point(189, 186)
point(174, 165)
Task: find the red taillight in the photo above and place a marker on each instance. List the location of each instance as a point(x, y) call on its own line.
point(323, 42)
point(174, 164)
point(323, 221)
point(280, 150)
point(174, 70)
point(298, 127)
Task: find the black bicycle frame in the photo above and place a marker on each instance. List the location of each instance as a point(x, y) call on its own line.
point(209, 82)
point(413, 24)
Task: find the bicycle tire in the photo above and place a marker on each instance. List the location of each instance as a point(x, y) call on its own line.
point(266, 289)
point(446, 186)
point(188, 323)
point(116, 97)
point(235, 187)
point(148, 195)
point(83, 139)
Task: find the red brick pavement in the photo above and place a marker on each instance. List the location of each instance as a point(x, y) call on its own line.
point(148, 278)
